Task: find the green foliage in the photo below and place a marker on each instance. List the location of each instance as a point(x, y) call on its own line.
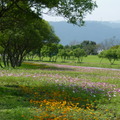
point(111, 54)
point(65, 53)
point(115, 47)
point(118, 53)
point(70, 52)
point(60, 46)
point(19, 39)
point(89, 46)
point(79, 53)
point(50, 50)
point(73, 10)
point(1, 50)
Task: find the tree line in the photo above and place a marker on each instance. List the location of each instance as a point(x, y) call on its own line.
point(53, 51)
point(79, 51)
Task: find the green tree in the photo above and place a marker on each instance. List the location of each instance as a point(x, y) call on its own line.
point(60, 46)
point(70, 54)
point(110, 54)
point(52, 51)
point(79, 53)
point(18, 42)
point(31, 55)
point(1, 52)
point(43, 52)
point(118, 52)
point(63, 54)
point(73, 10)
point(89, 46)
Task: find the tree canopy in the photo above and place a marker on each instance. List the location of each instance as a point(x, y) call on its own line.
point(73, 10)
point(111, 54)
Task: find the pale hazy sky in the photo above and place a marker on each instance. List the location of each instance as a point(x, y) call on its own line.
point(108, 10)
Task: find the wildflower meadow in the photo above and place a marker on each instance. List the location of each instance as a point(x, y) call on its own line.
point(59, 92)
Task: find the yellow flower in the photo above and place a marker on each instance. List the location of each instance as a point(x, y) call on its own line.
point(64, 112)
point(106, 110)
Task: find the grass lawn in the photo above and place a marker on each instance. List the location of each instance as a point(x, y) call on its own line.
point(46, 92)
point(90, 61)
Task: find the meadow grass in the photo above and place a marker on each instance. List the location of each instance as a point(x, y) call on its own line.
point(90, 61)
point(38, 91)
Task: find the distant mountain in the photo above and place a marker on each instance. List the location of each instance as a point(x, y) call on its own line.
point(92, 30)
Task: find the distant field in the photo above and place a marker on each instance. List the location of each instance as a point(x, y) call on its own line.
point(38, 91)
point(91, 61)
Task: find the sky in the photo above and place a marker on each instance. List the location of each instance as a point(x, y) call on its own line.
point(108, 10)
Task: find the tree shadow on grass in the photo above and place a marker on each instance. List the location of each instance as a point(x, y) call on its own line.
point(30, 65)
point(14, 103)
point(75, 94)
point(13, 96)
point(86, 99)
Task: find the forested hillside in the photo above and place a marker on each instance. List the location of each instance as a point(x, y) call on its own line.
point(92, 30)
